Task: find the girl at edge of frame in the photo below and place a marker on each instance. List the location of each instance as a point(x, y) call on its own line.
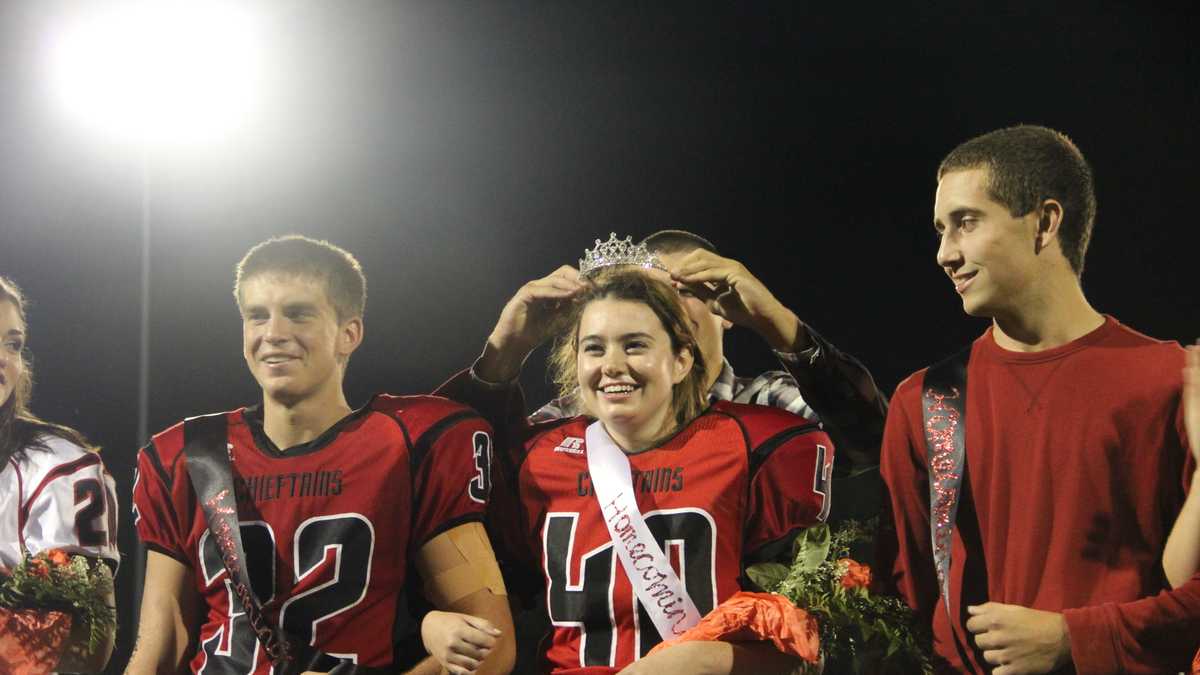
point(629, 351)
point(31, 450)
point(1181, 556)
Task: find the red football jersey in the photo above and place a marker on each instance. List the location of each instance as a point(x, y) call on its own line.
point(328, 527)
point(733, 487)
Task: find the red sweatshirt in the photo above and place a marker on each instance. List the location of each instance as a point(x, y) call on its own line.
point(1074, 463)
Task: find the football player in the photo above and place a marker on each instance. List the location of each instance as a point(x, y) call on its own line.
point(337, 508)
point(638, 517)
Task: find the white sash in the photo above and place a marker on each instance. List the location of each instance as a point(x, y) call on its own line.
point(654, 581)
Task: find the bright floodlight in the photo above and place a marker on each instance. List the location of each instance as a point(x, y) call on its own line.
point(158, 71)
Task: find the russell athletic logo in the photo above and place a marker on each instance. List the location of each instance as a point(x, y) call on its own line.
point(572, 445)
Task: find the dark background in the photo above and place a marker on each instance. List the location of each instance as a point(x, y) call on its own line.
point(461, 149)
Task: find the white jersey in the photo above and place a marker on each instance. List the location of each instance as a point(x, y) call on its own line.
point(57, 496)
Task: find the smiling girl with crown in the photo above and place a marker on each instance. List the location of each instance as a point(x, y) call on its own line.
point(637, 518)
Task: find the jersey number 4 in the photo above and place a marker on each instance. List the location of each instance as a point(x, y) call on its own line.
point(351, 539)
point(588, 604)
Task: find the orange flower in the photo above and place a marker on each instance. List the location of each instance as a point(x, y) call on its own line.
point(39, 567)
point(854, 574)
point(59, 557)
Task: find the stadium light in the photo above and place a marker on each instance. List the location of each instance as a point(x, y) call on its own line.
point(155, 76)
point(158, 72)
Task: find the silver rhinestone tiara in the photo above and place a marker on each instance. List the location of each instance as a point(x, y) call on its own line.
point(617, 252)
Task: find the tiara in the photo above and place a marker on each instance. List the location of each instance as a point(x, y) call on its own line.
point(616, 252)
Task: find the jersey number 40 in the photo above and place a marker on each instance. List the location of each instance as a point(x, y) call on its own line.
point(588, 604)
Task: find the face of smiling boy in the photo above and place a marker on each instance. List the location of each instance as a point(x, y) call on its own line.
point(291, 337)
point(989, 254)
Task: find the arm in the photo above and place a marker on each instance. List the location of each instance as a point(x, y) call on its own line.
point(475, 632)
point(167, 619)
point(1157, 633)
point(903, 553)
point(718, 658)
point(1181, 558)
point(1152, 635)
point(835, 384)
point(526, 322)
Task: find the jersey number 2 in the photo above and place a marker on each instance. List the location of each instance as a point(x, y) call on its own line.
point(350, 538)
point(95, 523)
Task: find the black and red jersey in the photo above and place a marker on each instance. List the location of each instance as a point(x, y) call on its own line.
point(328, 527)
point(733, 487)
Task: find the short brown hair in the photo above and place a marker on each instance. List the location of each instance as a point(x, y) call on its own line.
point(301, 256)
point(1028, 164)
point(689, 397)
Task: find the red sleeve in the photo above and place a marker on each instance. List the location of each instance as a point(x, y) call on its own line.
point(903, 557)
point(508, 526)
point(502, 406)
point(790, 464)
point(1151, 635)
point(452, 475)
point(155, 514)
point(840, 388)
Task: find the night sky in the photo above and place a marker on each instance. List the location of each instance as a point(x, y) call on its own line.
point(460, 149)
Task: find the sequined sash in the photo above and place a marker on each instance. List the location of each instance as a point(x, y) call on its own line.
point(657, 586)
point(944, 407)
point(208, 464)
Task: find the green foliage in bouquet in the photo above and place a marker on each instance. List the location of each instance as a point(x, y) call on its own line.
point(857, 626)
point(57, 581)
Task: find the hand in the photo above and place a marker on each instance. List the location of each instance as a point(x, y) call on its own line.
point(685, 657)
point(732, 292)
point(526, 322)
point(1191, 399)
point(460, 642)
point(1018, 639)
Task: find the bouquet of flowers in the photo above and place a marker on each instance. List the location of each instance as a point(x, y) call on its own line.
point(39, 600)
point(859, 631)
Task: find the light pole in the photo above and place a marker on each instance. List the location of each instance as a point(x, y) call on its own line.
point(164, 77)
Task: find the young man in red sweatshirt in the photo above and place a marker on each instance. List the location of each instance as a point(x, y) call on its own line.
point(1041, 550)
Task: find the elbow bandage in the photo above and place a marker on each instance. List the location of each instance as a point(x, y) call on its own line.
point(457, 563)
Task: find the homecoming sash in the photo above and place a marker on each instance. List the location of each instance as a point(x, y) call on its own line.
point(654, 581)
point(208, 466)
point(944, 408)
